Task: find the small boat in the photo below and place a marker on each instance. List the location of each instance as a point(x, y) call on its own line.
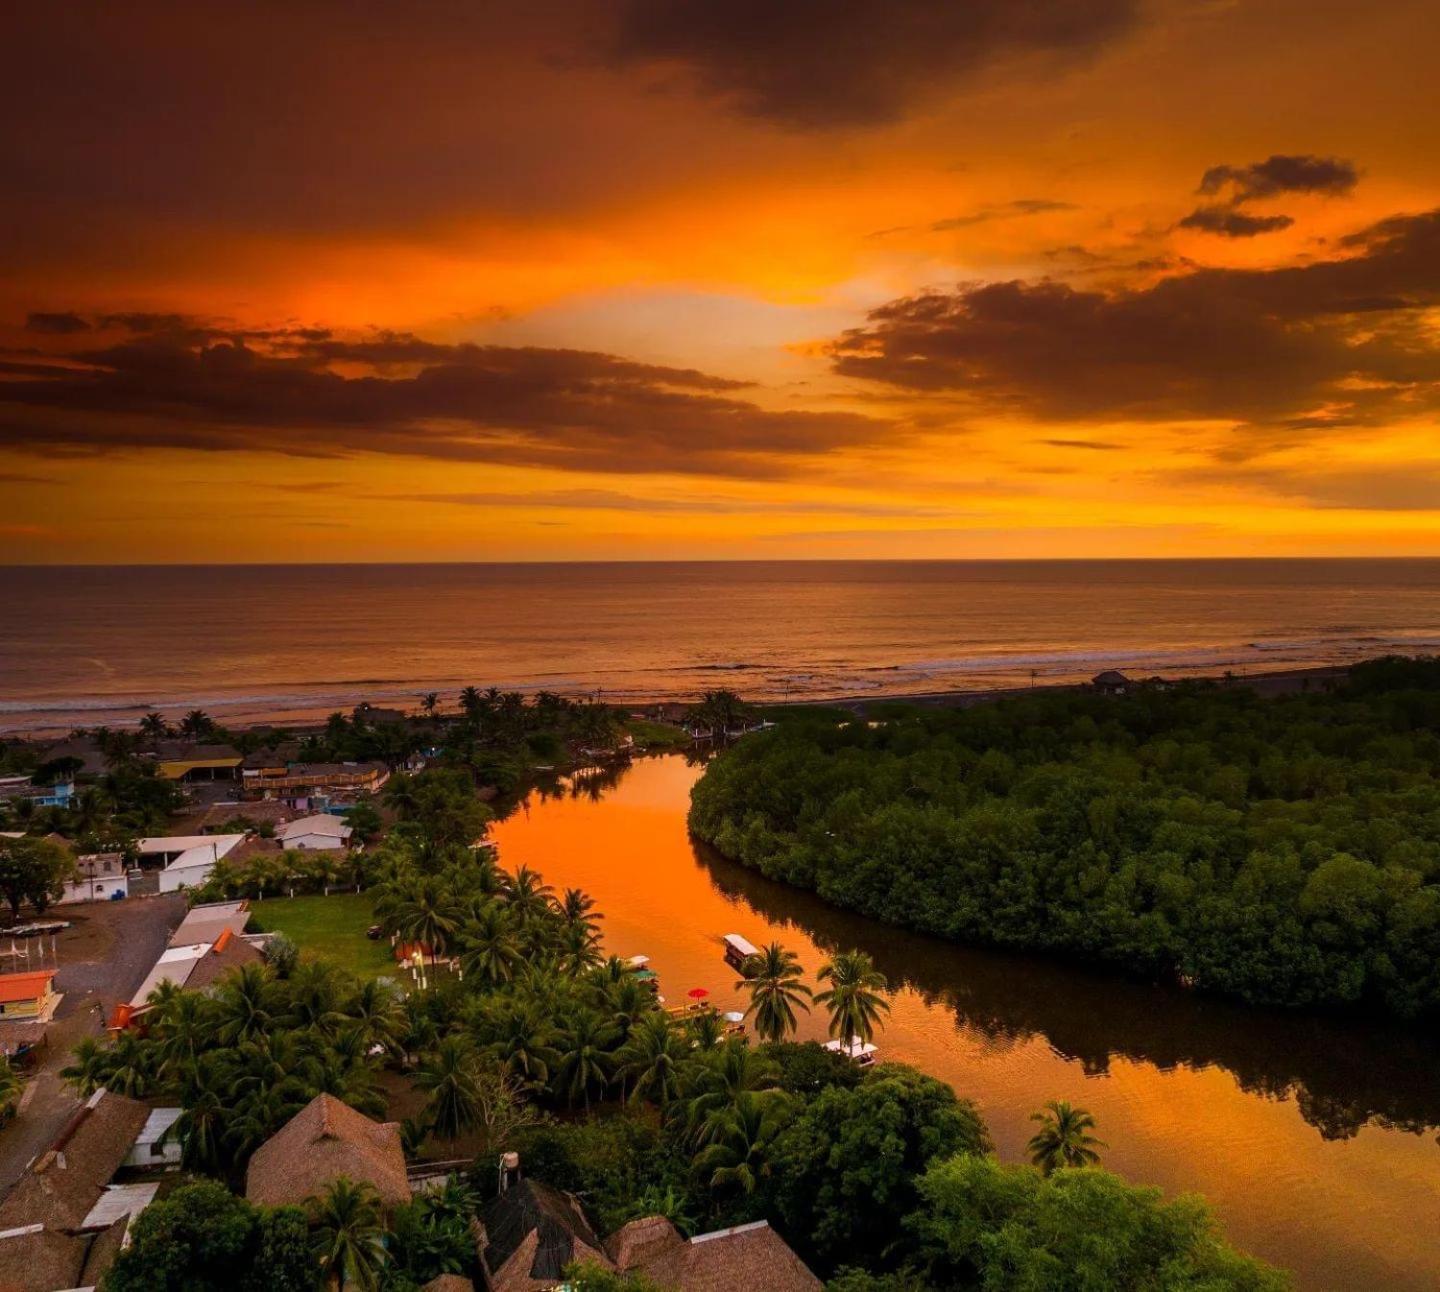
point(861, 1053)
point(738, 950)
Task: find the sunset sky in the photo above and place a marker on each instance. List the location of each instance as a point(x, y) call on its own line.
point(634, 279)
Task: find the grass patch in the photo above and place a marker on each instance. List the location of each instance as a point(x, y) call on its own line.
point(656, 735)
point(332, 927)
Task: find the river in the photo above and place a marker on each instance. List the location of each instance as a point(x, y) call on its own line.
point(1313, 1139)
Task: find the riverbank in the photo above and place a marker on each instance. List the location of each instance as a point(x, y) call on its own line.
point(1313, 1137)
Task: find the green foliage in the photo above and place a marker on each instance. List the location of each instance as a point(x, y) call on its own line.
point(33, 870)
point(843, 1173)
point(589, 1277)
point(203, 1237)
point(982, 1224)
point(1285, 851)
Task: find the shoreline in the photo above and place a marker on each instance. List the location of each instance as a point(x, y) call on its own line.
point(1273, 682)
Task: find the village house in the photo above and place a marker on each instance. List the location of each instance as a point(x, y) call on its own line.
point(188, 858)
point(99, 877)
point(64, 1222)
point(531, 1232)
point(319, 831)
point(325, 1141)
point(27, 996)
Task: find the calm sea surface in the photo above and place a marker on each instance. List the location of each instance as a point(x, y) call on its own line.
point(83, 646)
point(1315, 1140)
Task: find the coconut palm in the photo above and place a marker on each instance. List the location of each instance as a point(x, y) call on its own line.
point(348, 1235)
point(375, 1011)
point(246, 1007)
point(430, 701)
point(585, 1059)
point(1064, 1137)
point(183, 1027)
point(738, 1155)
point(528, 895)
point(206, 1113)
point(449, 1079)
point(88, 1068)
point(154, 727)
point(521, 1041)
point(652, 1059)
point(489, 945)
point(578, 907)
point(854, 996)
point(705, 1029)
point(132, 1067)
point(772, 979)
point(579, 949)
point(428, 915)
point(400, 797)
point(196, 723)
point(719, 1079)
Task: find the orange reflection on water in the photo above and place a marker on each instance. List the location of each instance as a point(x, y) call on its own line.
point(1013, 1032)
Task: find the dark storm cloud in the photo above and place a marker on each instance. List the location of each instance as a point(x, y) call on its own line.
point(1299, 348)
point(818, 64)
point(62, 324)
point(1230, 223)
point(1282, 173)
point(306, 393)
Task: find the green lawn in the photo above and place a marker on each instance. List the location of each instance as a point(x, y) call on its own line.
point(333, 927)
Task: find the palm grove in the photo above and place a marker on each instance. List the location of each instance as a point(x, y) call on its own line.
point(538, 1041)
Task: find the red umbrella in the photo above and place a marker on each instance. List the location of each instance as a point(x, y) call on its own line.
point(697, 993)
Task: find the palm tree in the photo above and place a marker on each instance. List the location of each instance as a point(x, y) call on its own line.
point(737, 1156)
point(245, 1005)
point(771, 978)
point(578, 907)
point(430, 701)
point(471, 703)
point(196, 723)
point(400, 796)
point(579, 949)
point(528, 895)
point(428, 915)
point(154, 727)
point(1064, 1137)
point(183, 1026)
point(585, 1057)
point(88, 1068)
point(853, 998)
point(131, 1067)
point(348, 1235)
point(489, 946)
point(375, 1010)
point(521, 1042)
point(449, 1078)
point(653, 1058)
point(722, 1076)
point(206, 1114)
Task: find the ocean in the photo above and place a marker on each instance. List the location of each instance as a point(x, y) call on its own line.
point(83, 646)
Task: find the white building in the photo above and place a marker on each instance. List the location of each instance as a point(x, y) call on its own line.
point(319, 831)
point(148, 1149)
point(97, 879)
point(188, 858)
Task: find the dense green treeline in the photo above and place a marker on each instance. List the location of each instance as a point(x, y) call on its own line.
point(1285, 851)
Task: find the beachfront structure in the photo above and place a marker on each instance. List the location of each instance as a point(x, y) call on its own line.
point(188, 858)
point(100, 877)
point(319, 831)
point(28, 995)
point(327, 1141)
